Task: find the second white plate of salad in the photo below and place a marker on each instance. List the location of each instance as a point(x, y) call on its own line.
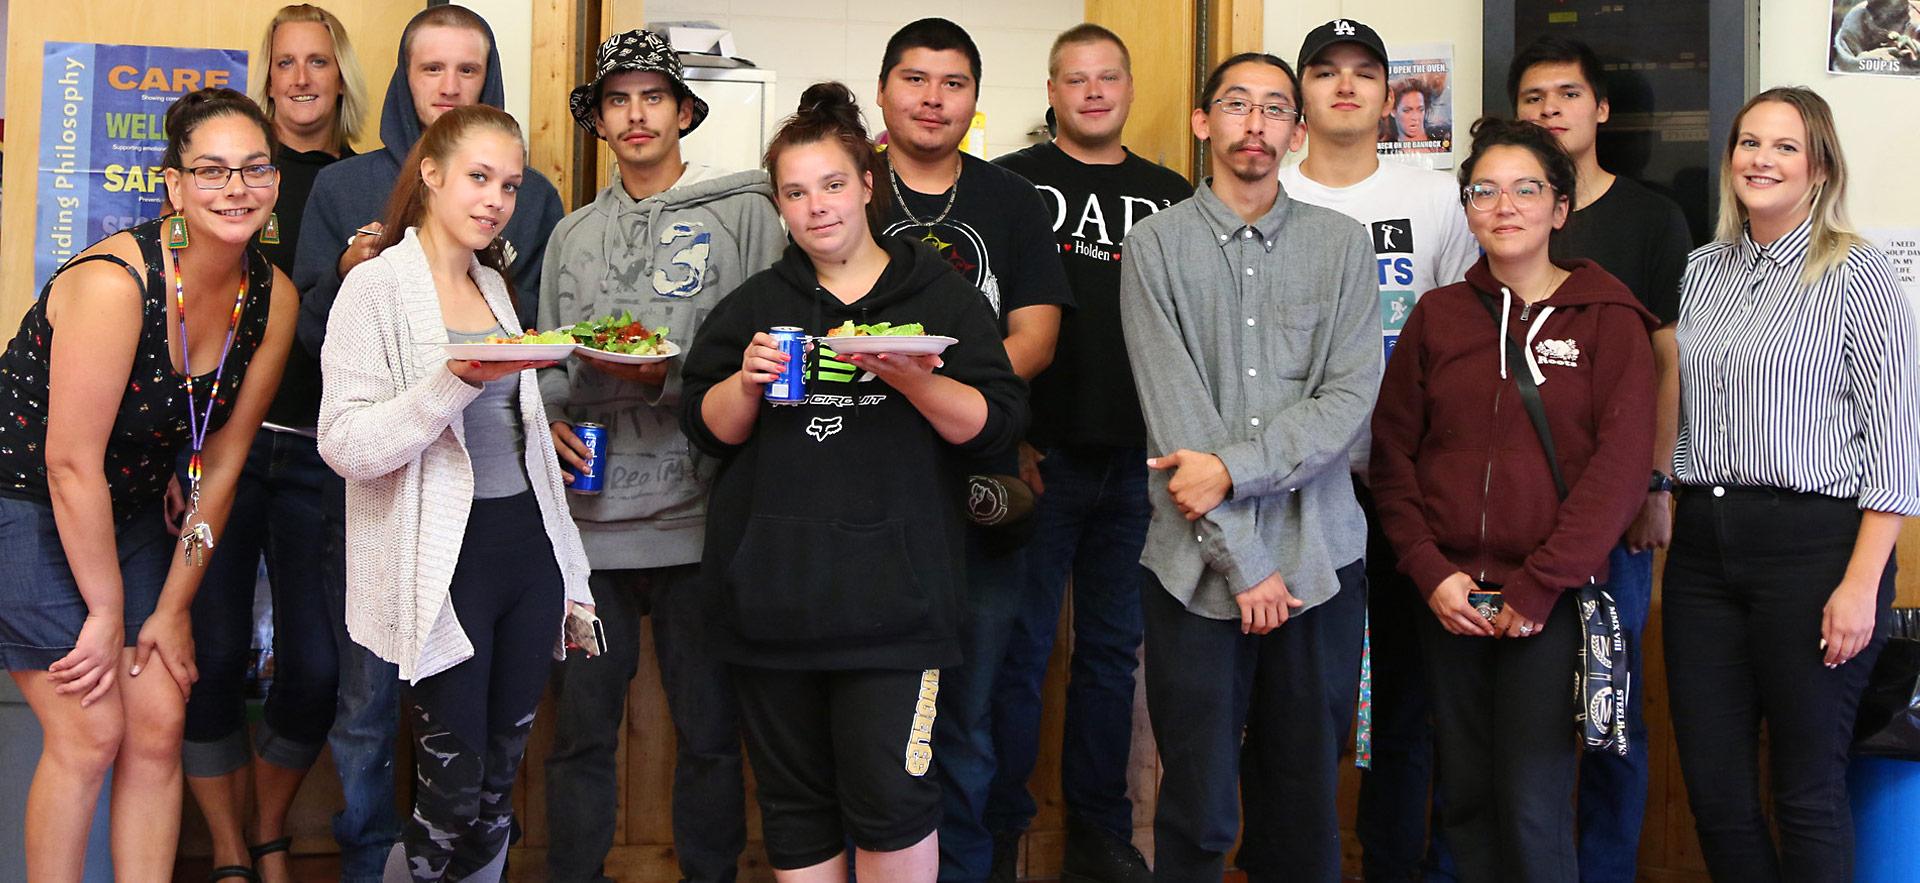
point(666, 349)
point(622, 340)
point(906, 339)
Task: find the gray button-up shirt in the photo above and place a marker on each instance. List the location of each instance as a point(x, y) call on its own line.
point(1259, 343)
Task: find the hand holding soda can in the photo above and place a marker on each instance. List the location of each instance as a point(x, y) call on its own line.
point(594, 436)
point(789, 387)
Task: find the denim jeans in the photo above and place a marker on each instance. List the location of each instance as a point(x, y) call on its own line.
point(1613, 789)
point(276, 513)
point(364, 724)
point(963, 733)
point(590, 703)
point(1091, 524)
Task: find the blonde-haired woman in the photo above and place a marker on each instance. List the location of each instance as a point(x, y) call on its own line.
point(1798, 459)
point(311, 91)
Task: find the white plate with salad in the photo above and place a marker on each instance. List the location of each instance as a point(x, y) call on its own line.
point(539, 346)
point(667, 349)
point(910, 339)
point(622, 340)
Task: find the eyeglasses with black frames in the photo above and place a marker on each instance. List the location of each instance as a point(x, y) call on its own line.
point(216, 177)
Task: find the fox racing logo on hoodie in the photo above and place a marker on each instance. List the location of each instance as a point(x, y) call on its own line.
point(821, 427)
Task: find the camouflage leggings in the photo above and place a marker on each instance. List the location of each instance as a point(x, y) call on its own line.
point(470, 722)
point(463, 807)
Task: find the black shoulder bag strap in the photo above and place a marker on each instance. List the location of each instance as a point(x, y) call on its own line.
point(1602, 714)
point(1529, 396)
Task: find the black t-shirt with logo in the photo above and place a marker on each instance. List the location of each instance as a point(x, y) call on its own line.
point(1637, 235)
point(1087, 396)
point(995, 237)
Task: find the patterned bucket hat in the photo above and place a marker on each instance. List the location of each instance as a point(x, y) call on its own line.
point(635, 50)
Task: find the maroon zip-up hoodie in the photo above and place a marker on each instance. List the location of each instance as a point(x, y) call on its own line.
point(1459, 476)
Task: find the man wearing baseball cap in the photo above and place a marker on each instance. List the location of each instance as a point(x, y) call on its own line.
point(1421, 242)
point(664, 242)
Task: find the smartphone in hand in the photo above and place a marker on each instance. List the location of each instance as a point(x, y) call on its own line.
point(584, 630)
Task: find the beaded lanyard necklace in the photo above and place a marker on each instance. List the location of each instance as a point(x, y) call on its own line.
point(196, 536)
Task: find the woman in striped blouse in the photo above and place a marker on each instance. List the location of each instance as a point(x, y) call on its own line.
point(1798, 454)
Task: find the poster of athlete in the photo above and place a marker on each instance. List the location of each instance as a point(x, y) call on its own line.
point(1417, 127)
point(1874, 37)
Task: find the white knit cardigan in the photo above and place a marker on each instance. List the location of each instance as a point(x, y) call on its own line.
point(390, 424)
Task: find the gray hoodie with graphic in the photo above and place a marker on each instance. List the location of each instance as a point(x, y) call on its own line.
point(668, 259)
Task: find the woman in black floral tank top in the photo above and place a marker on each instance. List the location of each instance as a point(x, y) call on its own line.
point(164, 337)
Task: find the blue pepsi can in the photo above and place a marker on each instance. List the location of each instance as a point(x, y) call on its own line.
point(594, 436)
point(790, 387)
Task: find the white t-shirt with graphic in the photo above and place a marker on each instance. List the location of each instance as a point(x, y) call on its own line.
point(1419, 228)
point(1420, 239)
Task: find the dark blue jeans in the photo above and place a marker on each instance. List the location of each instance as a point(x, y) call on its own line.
point(364, 724)
point(963, 731)
point(276, 513)
point(1613, 789)
point(1091, 524)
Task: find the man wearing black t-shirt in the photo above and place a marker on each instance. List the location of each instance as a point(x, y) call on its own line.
point(991, 225)
point(1087, 460)
point(1640, 237)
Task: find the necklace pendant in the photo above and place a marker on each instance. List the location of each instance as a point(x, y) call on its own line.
point(196, 541)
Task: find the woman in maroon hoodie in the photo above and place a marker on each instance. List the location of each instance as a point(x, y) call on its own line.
point(1472, 506)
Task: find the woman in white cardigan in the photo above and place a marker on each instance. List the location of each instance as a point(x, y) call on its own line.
point(461, 556)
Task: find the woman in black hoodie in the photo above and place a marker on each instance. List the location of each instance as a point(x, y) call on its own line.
point(834, 548)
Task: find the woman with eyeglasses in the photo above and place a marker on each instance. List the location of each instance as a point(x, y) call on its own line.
point(167, 336)
point(1798, 459)
point(1492, 532)
point(310, 89)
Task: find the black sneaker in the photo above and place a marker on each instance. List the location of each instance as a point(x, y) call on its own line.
point(1096, 855)
point(1006, 858)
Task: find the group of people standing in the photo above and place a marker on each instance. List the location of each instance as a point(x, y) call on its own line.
point(1325, 418)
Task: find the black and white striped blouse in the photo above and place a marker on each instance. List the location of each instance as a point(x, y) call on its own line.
point(1811, 388)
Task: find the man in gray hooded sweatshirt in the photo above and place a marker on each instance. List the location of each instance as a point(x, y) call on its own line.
point(665, 242)
point(447, 59)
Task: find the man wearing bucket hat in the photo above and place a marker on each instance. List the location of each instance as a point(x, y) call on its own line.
point(664, 242)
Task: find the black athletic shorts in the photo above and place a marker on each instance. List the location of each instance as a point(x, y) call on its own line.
point(838, 756)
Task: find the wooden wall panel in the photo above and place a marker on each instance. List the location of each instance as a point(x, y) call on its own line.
point(1159, 36)
point(373, 25)
point(565, 33)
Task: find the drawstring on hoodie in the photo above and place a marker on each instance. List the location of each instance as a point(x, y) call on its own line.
point(1533, 329)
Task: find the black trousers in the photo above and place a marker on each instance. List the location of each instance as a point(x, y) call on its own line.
point(1268, 713)
point(1391, 820)
point(1747, 582)
point(590, 703)
point(470, 722)
point(1503, 713)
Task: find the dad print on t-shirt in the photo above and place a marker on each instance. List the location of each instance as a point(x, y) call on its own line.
point(1091, 208)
